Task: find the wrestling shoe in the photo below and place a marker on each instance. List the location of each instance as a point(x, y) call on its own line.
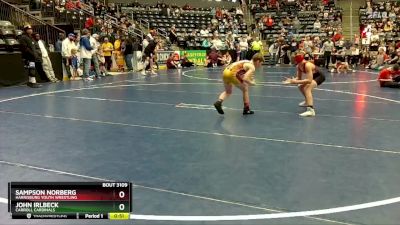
point(218, 107)
point(33, 85)
point(247, 112)
point(309, 113)
point(302, 104)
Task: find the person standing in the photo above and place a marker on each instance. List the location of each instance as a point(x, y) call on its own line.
point(67, 46)
point(107, 48)
point(118, 55)
point(256, 46)
point(46, 62)
point(148, 56)
point(136, 53)
point(58, 45)
point(244, 47)
point(327, 48)
point(29, 55)
point(313, 78)
point(95, 53)
point(241, 75)
point(86, 53)
point(127, 50)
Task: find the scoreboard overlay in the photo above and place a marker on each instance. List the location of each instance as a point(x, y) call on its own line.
point(70, 200)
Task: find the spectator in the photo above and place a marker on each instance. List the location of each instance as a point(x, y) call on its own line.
point(95, 54)
point(317, 25)
point(395, 58)
point(356, 39)
point(256, 46)
point(149, 54)
point(216, 43)
point(67, 45)
point(340, 43)
point(29, 56)
point(58, 45)
point(206, 44)
point(296, 25)
point(389, 77)
point(107, 49)
point(244, 48)
point(374, 41)
point(212, 58)
point(45, 62)
point(226, 59)
point(308, 44)
point(137, 53)
point(172, 35)
point(145, 42)
point(273, 51)
point(287, 21)
point(229, 41)
point(89, 23)
point(86, 54)
point(337, 36)
point(69, 5)
point(74, 64)
point(328, 48)
point(204, 31)
point(128, 53)
point(239, 12)
point(388, 26)
point(118, 55)
point(380, 60)
point(185, 62)
point(355, 56)
point(218, 14)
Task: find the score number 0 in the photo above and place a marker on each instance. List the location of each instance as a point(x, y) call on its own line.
point(121, 194)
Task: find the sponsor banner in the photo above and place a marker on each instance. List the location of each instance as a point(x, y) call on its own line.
point(198, 57)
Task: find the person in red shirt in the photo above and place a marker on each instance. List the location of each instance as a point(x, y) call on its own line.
point(212, 58)
point(218, 14)
point(337, 37)
point(172, 63)
point(390, 77)
point(69, 5)
point(78, 4)
point(89, 23)
point(269, 22)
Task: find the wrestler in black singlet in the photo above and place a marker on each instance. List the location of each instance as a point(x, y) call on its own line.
point(318, 76)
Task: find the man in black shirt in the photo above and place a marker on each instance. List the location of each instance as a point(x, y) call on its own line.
point(149, 53)
point(29, 55)
point(127, 48)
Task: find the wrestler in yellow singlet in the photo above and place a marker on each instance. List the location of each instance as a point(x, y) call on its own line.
point(233, 74)
point(240, 74)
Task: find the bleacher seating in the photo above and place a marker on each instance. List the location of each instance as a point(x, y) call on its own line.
point(376, 14)
point(306, 18)
point(8, 36)
point(187, 22)
point(75, 17)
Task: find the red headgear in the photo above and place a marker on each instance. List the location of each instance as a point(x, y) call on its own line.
point(299, 58)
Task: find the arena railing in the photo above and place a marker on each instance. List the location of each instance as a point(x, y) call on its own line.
point(20, 18)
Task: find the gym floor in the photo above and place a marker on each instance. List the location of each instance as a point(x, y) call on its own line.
point(162, 134)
